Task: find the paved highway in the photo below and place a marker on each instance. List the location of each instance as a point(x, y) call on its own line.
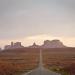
point(41, 70)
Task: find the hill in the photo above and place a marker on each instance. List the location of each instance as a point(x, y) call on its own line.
point(49, 44)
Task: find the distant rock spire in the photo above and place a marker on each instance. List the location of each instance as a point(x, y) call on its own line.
point(12, 44)
point(34, 45)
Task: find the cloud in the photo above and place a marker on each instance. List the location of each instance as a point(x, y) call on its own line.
point(23, 18)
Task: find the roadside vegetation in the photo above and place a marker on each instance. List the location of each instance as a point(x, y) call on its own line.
point(59, 70)
point(60, 60)
point(17, 62)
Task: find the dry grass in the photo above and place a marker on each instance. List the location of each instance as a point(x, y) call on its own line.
point(15, 62)
point(60, 59)
point(18, 61)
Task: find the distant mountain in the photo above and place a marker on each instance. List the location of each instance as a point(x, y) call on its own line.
point(46, 44)
point(53, 44)
point(49, 44)
point(14, 45)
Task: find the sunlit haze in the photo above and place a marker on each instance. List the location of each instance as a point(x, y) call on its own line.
point(31, 21)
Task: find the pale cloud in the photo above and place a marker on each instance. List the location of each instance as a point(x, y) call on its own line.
point(29, 17)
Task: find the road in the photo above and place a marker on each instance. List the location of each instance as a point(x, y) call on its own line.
point(41, 70)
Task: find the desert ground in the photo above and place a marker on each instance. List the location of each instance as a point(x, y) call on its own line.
point(19, 61)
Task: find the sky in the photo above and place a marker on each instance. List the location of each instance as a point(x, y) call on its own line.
point(31, 21)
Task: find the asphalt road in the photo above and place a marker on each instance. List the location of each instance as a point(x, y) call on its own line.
point(41, 70)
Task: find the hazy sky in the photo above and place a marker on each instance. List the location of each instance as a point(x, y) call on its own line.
point(25, 18)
